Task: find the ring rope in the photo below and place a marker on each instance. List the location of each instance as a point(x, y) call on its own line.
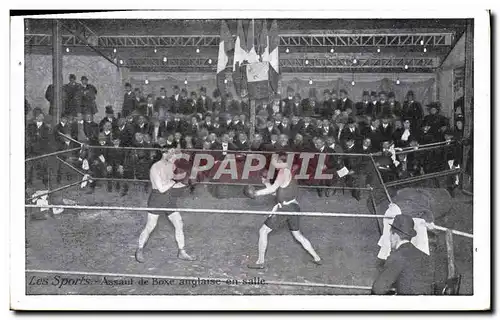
point(423, 177)
point(58, 189)
point(379, 175)
point(71, 139)
point(72, 167)
point(255, 212)
point(222, 280)
point(50, 154)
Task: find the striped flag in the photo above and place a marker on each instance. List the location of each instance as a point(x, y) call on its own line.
point(225, 45)
point(274, 60)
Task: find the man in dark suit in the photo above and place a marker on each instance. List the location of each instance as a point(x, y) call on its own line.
point(140, 102)
point(142, 125)
point(287, 103)
point(223, 147)
point(284, 127)
point(310, 105)
point(407, 270)
point(129, 103)
point(326, 109)
point(242, 142)
point(161, 103)
point(89, 93)
point(375, 104)
point(37, 143)
point(349, 131)
point(204, 103)
point(91, 129)
point(364, 107)
point(175, 100)
point(269, 131)
point(394, 106)
point(345, 104)
point(308, 129)
point(382, 105)
point(412, 110)
point(386, 128)
point(295, 126)
point(110, 117)
point(73, 96)
point(167, 126)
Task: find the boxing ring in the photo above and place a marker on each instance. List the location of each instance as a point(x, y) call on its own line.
point(381, 188)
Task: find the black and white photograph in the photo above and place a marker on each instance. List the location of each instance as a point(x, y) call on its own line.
point(322, 157)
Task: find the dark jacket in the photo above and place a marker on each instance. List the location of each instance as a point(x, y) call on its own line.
point(344, 105)
point(408, 270)
point(161, 103)
point(413, 110)
point(89, 94)
point(129, 104)
point(37, 139)
point(175, 105)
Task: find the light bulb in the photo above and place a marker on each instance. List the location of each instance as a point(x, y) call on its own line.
point(355, 60)
point(185, 81)
point(332, 50)
point(114, 50)
point(197, 50)
point(397, 81)
point(378, 50)
point(422, 42)
point(425, 49)
point(164, 59)
point(225, 80)
point(209, 61)
point(146, 81)
point(287, 50)
point(121, 61)
point(67, 49)
point(156, 50)
point(353, 83)
point(307, 61)
point(310, 81)
point(406, 66)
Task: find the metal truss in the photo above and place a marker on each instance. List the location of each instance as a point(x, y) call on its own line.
point(423, 64)
point(295, 40)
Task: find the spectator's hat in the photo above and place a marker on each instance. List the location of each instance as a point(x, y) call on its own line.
point(410, 93)
point(351, 120)
point(216, 93)
point(184, 91)
point(459, 117)
point(175, 87)
point(127, 84)
point(289, 90)
point(84, 78)
point(404, 224)
point(193, 94)
point(436, 105)
point(382, 93)
point(72, 77)
point(343, 91)
point(297, 96)
point(109, 110)
point(391, 95)
point(333, 92)
point(373, 93)
point(203, 89)
point(366, 93)
point(326, 91)
point(37, 111)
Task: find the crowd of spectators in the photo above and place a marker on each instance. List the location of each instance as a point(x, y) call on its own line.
point(220, 124)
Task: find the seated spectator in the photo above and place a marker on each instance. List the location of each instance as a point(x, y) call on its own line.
point(333, 145)
point(141, 125)
point(295, 126)
point(434, 124)
point(394, 106)
point(235, 124)
point(318, 127)
point(309, 105)
point(364, 107)
point(179, 124)
point(245, 125)
point(287, 103)
point(270, 130)
point(284, 127)
point(272, 144)
point(217, 103)
point(223, 146)
point(161, 103)
point(155, 130)
point(242, 142)
point(232, 135)
point(149, 105)
point(366, 146)
point(109, 118)
point(385, 163)
point(340, 123)
point(296, 106)
point(345, 104)
point(353, 164)
point(283, 143)
point(107, 132)
point(91, 129)
point(204, 103)
point(140, 102)
point(178, 139)
point(257, 143)
point(171, 142)
point(193, 128)
point(124, 132)
point(189, 106)
point(386, 129)
point(403, 135)
point(307, 129)
point(350, 132)
point(187, 142)
point(298, 143)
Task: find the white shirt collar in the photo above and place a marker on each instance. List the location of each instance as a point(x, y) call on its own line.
point(365, 147)
point(322, 148)
point(332, 146)
point(345, 99)
point(385, 125)
point(80, 121)
point(39, 124)
point(107, 132)
point(62, 124)
point(401, 243)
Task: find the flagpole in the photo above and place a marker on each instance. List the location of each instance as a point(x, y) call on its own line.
point(252, 101)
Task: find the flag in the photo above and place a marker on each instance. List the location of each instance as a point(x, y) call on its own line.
point(258, 80)
point(264, 43)
point(274, 61)
point(225, 45)
point(250, 45)
point(240, 55)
